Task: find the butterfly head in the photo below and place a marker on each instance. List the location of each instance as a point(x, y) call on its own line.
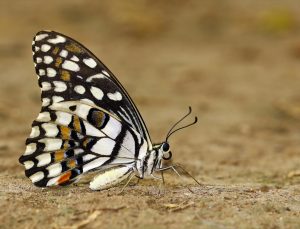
point(165, 151)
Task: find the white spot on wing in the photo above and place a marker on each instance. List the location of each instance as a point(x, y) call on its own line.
point(90, 62)
point(28, 164)
point(105, 73)
point(45, 102)
point(51, 72)
point(70, 65)
point(115, 96)
point(52, 181)
point(43, 117)
point(46, 86)
point(41, 37)
point(45, 47)
point(59, 86)
point(63, 53)
point(75, 58)
point(58, 39)
point(79, 89)
point(82, 110)
point(51, 143)
point(78, 151)
point(97, 76)
point(97, 93)
point(30, 148)
point(38, 60)
point(42, 72)
point(43, 159)
point(48, 59)
point(35, 132)
point(37, 177)
point(57, 99)
point(63, 118)
point(50, 129)
point(54, 170)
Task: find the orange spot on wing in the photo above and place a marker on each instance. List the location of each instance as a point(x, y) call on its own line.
point(98, 117)
point(65, 75)
point(64, 178)
point(58, 62)
point(59, 155)
point(66, 145)
point(85, 142)
point(55, 50)
point(65, 132)
point(76, 124)
point(72, 47)
point(71, 164)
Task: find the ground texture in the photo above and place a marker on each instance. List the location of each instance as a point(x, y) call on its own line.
point(237, 63)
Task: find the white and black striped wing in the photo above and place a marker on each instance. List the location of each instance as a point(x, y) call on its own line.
point(72, 138)
point(69, 71)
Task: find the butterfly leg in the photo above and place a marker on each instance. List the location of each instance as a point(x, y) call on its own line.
point(155, 177)
point(168, 168)
point(172, 167)
point(126, 184)
point(111, 177)
point(162, 184)
point(162, 177)
point(135, 183)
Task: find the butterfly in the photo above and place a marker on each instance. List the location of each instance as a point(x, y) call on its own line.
point(87, 122)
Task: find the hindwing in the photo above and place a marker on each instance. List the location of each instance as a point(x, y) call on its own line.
point(71, 138)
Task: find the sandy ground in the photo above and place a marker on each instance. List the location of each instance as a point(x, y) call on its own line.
point(237, 63)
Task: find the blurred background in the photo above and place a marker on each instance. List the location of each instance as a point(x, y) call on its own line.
point(237, 63)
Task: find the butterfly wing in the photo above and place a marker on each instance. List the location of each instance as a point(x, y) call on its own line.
point(87, 120)
point(72, 138)
point(69, 71)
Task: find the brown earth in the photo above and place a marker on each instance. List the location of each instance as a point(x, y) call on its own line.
point(237, 63)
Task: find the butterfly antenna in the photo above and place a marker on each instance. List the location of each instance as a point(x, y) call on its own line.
point(183, 127)
point(189, 112)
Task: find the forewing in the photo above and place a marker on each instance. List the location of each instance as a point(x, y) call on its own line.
point(71, 138)
point(68, 71)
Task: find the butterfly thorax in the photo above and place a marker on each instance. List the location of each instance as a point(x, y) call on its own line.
point(147, 165)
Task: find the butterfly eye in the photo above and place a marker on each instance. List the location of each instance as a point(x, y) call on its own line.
point(167, 156)
point(166, 147)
